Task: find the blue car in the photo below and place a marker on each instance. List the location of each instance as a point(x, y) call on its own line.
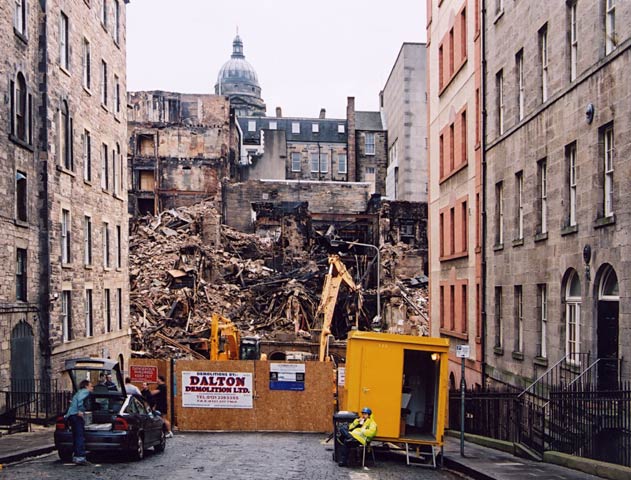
point(116, 422)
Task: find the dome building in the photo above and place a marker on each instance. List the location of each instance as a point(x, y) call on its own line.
point(237, 80)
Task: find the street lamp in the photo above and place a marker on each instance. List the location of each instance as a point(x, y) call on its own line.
point(336, 243)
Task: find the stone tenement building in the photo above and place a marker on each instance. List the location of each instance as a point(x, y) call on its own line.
point(404, 110)
point(557, 193)
point(63, 246)
point(455, 180)
point(180, 148)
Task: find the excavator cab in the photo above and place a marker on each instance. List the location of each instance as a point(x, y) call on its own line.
point(250, 348)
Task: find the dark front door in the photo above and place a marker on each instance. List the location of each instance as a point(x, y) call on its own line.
point(22, 359)
point(607, 345)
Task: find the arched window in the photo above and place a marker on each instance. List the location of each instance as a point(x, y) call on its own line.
point(65, 137)
point(572, 316)
point(21, 110)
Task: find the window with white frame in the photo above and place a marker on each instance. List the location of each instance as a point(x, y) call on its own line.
point(87, 241)
point(119, 247)
point(499, 213)
point(609, 150)
point(543, 46)
point(273, 125)
point(573, 317)
point(519, 59)
point(65, 137)
point(21, 110)
point(315, 162)
point(105, 169)
point(106, 245)
point(87, 156)
point(342, 163)
point(107, 310)
point(295, 161)
point(573, 42)
point(570, 153)
point(21, 197)
point(117, 20)
point(104, 82)
point(295, 127)
point(104, 13)
point(119, 307)
point(519, 319)
point(499, 333)
point(499, 81)
point(65, 236)
point(64, 47)
point(89, 315)
point(369, 143)
point(117, 95)
point(519, 200)
point(315, 128)
point(543, 320)
point(324, 162)
point(341, 128)
point(66, 315)
point(87, 64)
point(251, 125)
point(543, 195)
point(19, 21)
point(611, 39)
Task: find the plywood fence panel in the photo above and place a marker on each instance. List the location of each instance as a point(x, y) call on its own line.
point(310, 410)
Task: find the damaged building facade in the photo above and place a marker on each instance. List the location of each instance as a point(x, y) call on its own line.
point(180, 148)
point(64, 289)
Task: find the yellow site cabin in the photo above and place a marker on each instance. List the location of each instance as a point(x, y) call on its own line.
point(403, 379)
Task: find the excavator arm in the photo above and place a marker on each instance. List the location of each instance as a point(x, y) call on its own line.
point(336, 275)
point(223, 328)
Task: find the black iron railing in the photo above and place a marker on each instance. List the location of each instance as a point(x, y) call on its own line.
point(33, 401)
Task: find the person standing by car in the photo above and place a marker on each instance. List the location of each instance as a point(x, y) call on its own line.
point(160, 397)
point(75, 418)
point(130, 388)
point(146, 394)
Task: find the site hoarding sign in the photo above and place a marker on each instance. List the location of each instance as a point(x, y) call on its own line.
point(217, 389)
point(287, 376)
point(143, 373)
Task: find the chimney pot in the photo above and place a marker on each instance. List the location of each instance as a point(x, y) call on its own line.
point(279, 112)
point(323, 113)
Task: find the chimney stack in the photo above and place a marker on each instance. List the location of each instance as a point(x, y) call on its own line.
point(322, 113)
point(279, 112)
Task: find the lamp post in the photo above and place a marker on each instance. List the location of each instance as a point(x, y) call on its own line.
point(333, 242)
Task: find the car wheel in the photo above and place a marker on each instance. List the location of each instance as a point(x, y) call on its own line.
point(65, 455)
point(163, 442)
point(139, 452)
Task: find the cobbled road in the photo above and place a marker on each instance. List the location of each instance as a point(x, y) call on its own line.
point(226, 456)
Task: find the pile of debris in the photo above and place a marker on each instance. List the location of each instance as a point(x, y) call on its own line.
point(185, 265)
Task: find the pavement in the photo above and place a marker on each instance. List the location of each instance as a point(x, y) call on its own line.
point(480, 462)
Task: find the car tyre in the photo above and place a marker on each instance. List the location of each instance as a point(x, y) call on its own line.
point(163, 442)
point(139, 452)
point(65, 455)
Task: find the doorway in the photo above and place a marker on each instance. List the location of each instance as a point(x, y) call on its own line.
point(22, 358)
point(420, 395)
point(608, 330)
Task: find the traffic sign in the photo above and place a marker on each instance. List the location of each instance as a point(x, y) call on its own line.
point(462, 351)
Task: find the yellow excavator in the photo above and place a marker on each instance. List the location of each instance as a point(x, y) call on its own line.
point(226, 342)
point(336, 275)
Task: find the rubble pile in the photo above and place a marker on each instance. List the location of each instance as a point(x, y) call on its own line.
point(179, 278)
point(185, 266)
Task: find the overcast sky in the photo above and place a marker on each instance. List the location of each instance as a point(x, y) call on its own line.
point(307, 54)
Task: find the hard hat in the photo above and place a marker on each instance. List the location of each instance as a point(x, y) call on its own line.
point(367, 410)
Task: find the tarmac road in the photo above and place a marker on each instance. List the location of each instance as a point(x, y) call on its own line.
point(226, 456)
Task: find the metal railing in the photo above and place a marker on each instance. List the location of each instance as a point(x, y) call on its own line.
point(33, 401)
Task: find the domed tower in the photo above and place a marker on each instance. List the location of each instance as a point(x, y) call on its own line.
point(237, 80)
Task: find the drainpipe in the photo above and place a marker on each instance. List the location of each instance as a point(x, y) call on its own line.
point(483, 192)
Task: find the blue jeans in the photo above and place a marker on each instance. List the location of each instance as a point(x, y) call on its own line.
point(78, 434)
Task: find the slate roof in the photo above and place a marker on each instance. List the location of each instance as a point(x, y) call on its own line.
point(328, 129)
point(368, 121)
